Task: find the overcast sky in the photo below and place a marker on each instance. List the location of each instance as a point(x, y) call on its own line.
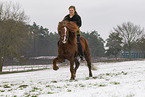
point(99, 15)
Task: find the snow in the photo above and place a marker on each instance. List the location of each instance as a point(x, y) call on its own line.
point(120, 79)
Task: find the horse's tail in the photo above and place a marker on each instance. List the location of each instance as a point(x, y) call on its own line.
point(88, 55)
point(93, 67)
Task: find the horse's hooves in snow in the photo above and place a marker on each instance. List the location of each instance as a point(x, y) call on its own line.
point(55, 68)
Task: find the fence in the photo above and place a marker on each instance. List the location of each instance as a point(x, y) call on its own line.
point(24, 68)
point(133, 55)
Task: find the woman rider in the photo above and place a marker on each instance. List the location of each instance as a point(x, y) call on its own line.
point(73, 16)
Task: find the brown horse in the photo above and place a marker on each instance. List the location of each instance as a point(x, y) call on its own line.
point(68, 48)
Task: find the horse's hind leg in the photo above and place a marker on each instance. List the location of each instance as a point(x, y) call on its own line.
point(88, 59)
point(77, 64)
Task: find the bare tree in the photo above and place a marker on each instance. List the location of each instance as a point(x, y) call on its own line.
point(114, 44)
point(13, 30)
point(130, 34)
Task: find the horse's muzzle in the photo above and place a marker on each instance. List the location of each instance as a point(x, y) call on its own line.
point(64, 42)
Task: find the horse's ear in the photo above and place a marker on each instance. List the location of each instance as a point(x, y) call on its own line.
point(59, 23)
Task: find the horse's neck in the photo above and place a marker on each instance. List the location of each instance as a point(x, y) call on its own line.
point(72, 36)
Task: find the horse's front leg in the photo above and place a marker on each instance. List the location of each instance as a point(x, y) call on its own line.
point(72, 70)
point(55, 60)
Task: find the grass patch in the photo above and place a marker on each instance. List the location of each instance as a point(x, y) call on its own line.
point(131, 95)
point(81, 85)
point(2, 90)
point(115, 83)
point(48, 86)
point(102, 85)
point(50, 93)
point(23, 86)
point(35, 88)
point(12, 85)
point(6, 86)
point(68, 90)
point(95, 77)
point(124, 73)
point(87, 78)
point(54, 81)
point(58, 87)
point(10, 90)
point(108, 74)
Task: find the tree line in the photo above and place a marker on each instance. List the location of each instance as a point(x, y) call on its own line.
point(19, 39)
point(44, 43)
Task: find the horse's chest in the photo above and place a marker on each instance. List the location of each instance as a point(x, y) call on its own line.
point(68, 51)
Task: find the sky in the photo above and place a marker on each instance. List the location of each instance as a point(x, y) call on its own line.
point(98, 15)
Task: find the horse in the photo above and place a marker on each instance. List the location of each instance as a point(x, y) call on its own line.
point(68, 48)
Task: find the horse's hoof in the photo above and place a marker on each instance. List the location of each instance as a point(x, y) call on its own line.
point(72, 78)
point(90, 75)
point(55, 68)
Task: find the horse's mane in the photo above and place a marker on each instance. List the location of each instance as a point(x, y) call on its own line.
point(72, 29)
point(72, 26)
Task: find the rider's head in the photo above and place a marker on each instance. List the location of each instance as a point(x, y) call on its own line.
point(72, 10)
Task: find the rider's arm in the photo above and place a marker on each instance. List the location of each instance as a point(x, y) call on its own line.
point(79, 21)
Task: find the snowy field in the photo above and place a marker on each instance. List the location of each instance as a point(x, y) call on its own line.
point(121, 79)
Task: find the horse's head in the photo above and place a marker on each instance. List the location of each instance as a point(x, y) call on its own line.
point(63, 32)
point(64, 28)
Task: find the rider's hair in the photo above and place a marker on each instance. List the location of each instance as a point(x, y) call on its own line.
point(74, 9)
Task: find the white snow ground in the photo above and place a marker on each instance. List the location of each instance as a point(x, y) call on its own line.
point(121, 79)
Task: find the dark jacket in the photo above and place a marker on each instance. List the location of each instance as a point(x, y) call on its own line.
point(75, 18)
